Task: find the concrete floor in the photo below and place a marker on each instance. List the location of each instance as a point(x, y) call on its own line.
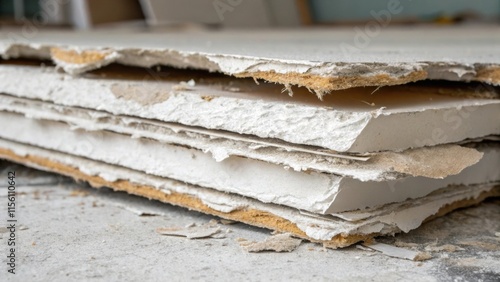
point(74, 232)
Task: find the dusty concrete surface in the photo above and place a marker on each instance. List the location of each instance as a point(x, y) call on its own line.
point(73, 232)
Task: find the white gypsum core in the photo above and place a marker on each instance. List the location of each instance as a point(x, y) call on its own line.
point(387, 220)
point(92, 120)
point(343, 122)
point(310, 191)
point(354, 194)
point(263, 181)
point(374, 167)
point(393, 53)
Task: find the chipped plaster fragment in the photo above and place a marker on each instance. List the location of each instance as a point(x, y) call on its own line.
point(140, 212)
point(361, 247)
point(433, 162)
point(145, 95)
point(194, 231)
point(422, 256)
point(397, 252)
point(276, 243)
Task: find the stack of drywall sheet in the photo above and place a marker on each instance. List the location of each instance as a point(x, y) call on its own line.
point(347, 142)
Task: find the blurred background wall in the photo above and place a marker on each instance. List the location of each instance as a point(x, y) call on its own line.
point(87, 14)
point(328, 11)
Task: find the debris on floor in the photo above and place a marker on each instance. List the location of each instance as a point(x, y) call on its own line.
point(141, 212)
point(195, 231)
point(443, 248)
point(276, 243)
point(397, 252)
point(402, 244)
point(78, 193)
point(361, 247)
point(489, 246)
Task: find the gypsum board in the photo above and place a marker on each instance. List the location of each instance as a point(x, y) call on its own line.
point(310, 191)
point(320, 59)
point(354, 120)
point(332, 232)
point(434, 162)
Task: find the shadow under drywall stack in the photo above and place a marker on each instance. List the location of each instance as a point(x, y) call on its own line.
point(306, 137)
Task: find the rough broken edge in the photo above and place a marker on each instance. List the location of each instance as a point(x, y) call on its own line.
point(322, 85)
point(93, 59)
point(86, 60)
point(249, 216)
point(319, 78)
point(396, 166)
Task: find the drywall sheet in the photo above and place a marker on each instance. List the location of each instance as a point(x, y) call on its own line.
point(309, 190)
point(356, 120)
point(320, 59)
point(432, 162)
point(332, 231)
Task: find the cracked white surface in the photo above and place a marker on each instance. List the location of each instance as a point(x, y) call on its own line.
point(222, 145)
point(343, 123)
point(395, 52)
point(312, 191)
point(389, 220)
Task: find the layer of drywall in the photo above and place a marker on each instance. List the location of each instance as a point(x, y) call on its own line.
point(433, 162)
point(309, 190)
point(390, 219)
point(356, 121)
point(321, 59)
